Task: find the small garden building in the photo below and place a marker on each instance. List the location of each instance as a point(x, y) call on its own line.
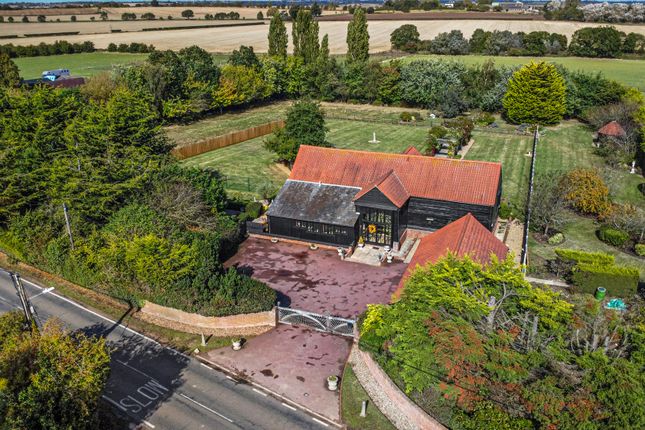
point(336, 196)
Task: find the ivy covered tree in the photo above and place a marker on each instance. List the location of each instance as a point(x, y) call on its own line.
point(49, 379)
point(535, 95)
point(277, 37)
point(305, 125)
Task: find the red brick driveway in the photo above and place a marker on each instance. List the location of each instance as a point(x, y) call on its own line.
point(316, 281)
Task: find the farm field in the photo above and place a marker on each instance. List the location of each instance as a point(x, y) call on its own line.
point(629, 72)
point(227, 39)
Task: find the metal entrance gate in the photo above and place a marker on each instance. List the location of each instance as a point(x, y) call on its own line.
point(326, 323)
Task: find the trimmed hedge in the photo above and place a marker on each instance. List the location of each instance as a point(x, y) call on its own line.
point(577, 256)
point(640, 249)
point(612, 236)
point(619, 281)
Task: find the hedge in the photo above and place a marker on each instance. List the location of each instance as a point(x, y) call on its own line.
point(577, 256)
point(612, 236)
point(619, 281)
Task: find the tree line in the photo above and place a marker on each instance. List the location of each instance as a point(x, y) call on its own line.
point(595, 42)
point(45, 49)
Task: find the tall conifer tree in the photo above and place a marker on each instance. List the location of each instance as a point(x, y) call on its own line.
point(305, 37)
point(277, 37)
point(358, 39)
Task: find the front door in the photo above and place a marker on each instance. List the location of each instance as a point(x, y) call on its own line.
point(376, 226)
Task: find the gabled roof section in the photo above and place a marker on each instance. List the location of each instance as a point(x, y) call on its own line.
point(391, 187)
point(466, 236)
point(411, 151)
point(473, 182)
point(613, 128)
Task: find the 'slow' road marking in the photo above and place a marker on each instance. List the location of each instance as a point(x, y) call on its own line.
point(114, 403)
point(206, 407)
point(320, 422)
point(288, 406)
point(260, 392)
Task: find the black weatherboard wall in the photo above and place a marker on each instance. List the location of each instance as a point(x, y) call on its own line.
point(312, 231)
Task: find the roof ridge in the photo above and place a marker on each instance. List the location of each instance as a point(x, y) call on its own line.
point(395, 155)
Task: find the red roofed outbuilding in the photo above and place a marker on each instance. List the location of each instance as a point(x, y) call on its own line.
point(612, 129)
point(466, 236)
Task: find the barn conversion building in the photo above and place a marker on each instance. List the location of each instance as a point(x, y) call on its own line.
point(336, 196)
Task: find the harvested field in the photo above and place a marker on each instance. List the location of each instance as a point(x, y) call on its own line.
point(439, 15)
point(50, 11)
point(199, 11)
point(105, 27)
point(227, 39)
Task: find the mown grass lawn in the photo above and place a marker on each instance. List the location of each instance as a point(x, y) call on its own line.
point(628, 72)
point(85, 64)
point(247, 166)
point(352, 397)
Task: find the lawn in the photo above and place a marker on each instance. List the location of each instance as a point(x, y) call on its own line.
point(247, 166)
point(85, 64)
point(629, 72)
point(352, 397)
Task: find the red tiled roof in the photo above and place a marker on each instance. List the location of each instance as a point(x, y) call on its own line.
point(466, 236)
point(612, 129)
point(474, 182)
point(412, 151)
point(391, 187)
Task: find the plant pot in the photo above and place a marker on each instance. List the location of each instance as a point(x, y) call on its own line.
point(332, 383)
point(237, 345)
point(360, 245)
point(274, 240)
point(313, 246)
point(389, 258)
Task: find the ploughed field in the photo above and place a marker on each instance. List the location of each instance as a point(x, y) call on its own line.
point(226, 39)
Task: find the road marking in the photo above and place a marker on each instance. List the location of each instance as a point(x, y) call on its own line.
point(232, 379)
point(288, 406)
point(320, 422)
point(260, 392)
point(48, 290)
point(137, 370)
point(9, 303)
point(208, 367)
point(206, 407)
point(114, 403)
point(148, 424)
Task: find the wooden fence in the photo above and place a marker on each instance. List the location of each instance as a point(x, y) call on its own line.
point(225, 140)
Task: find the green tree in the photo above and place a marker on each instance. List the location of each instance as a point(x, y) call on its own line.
point(239, 85)
point(405, 38)
point(188, 13)
point(49, 379)
point(305, 125)
point(244, 57)
point(596, 42)
point(535, 95)
point(9, 76)
point(304, 36)
point(277, 37)
point(358, 38)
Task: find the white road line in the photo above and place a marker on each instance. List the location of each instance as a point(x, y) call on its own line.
point(260, 392)
point(9, 303)
point(114, 403)
point(48, 290)
point(232, 379)
point(208, 367)
point(320, 422)
point(138, 371)
point(289, 406)
point(149, 424)
point(206, 407)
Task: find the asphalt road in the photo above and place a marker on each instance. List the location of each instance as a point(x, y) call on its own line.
point(158, 387)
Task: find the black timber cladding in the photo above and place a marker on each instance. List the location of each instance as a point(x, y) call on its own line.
point(320, 203)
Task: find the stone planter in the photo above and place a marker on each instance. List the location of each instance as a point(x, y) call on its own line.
point(313, 246)
point(237, 344)
point(274, 240)
point(332, 383)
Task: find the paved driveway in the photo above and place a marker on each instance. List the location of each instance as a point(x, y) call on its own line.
point(317, 281)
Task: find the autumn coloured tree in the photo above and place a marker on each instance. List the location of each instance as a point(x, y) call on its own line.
point(535, 95)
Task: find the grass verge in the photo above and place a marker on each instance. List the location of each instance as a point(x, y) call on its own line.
point(352, 397)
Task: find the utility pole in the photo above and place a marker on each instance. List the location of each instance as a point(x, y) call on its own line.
point(69, 228)
point(525, 241)
point(29, 311)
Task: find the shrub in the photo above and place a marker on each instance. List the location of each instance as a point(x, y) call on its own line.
point(619, 281)
point(577, 256)
point(586, 192)
point(253, 209)
point(484, 118)
point(556, 239)
point(640, 249)
point(612, 236)
point(407, 116)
